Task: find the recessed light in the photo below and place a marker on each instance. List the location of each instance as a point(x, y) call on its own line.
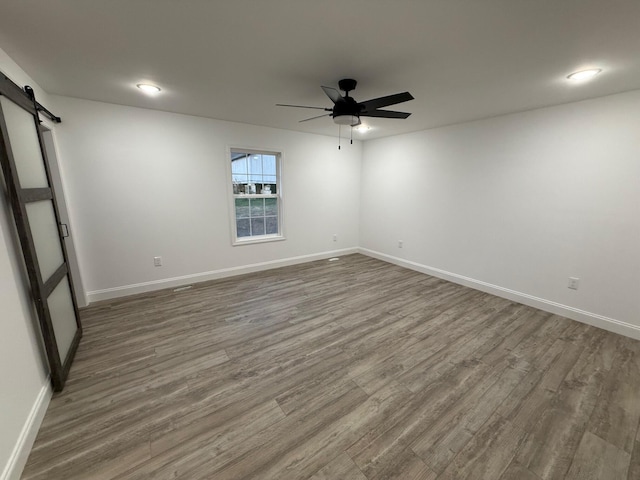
point(584, 75)
point(147, 88)
point(363, 128)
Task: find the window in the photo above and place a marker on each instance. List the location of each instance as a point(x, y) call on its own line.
point(257, 202)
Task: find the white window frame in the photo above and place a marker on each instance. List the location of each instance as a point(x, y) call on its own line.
point(235, 240)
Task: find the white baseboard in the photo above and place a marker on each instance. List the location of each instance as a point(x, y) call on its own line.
point(116, 292)
point(589, 318)
point(600, 321)
point(17, 461)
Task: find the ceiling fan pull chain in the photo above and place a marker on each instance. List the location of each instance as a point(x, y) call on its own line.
point(351, 134)
point(339, 135)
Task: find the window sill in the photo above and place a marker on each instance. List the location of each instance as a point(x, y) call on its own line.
point(253, 240)
point(255, 195)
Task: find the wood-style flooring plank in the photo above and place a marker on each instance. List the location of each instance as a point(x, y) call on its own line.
point(455, 429)
point(347, 370)
point(617, 413)
point(559, 420)
point(596, 459)
point(489, 452)
point(516, 471)
point(634, 465)
point(341, 467)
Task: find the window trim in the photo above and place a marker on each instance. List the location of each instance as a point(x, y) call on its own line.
point(238, 241)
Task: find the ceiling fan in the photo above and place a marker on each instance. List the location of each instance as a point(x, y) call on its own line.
point(346, 111)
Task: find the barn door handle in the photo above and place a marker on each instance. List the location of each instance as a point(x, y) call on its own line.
point(65, 231)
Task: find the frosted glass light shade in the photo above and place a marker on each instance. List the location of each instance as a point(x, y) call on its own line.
point(350, 120)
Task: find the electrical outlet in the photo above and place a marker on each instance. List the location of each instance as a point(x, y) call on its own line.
point(157, 261)
point(400, 243)
point(335, 237)
point(574, 283)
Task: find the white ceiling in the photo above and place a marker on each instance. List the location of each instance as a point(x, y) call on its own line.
point(235, 59)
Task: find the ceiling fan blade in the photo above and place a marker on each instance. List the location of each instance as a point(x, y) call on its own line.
point(313, 118)
point(333, 94)
point(385, 114)
point(375, 103)
point(302, 106)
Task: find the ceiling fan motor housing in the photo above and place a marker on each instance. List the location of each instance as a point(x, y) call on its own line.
point(348, 106)
point(346, 112)
point(347, 84)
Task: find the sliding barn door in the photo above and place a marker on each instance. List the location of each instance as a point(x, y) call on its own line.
point(33, 201)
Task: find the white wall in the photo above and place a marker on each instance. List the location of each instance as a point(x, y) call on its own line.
point(517, 204)
point(143, 183)
point(25, 391)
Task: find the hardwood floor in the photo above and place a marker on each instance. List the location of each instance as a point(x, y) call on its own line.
point(353, 369)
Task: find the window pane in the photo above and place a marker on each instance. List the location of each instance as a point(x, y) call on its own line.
point(257, 207)
point(242, 207)
point(255, 173)
point(269, 165)
point(271, 224)
point(239, 166)
point(265, 189)
point(271, 206)
point(240, 179)
point(243, 227)
point(255, 167)
point(257, 226)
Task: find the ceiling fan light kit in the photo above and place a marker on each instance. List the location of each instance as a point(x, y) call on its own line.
point(346, 111)
point(351, 120)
